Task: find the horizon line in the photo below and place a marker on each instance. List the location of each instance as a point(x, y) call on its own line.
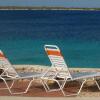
point(46, 8)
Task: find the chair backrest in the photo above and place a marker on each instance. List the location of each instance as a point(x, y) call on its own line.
point(57, 59)
point(6, 66)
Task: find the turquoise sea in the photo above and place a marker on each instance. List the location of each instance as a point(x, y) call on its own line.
point(23, 34)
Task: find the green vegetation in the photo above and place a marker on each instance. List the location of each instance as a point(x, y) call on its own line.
point(42, 8)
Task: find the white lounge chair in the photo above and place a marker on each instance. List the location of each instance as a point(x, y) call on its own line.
point(9, 73)
point(61, 71)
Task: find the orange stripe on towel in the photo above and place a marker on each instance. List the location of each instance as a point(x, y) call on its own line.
point(51, 52)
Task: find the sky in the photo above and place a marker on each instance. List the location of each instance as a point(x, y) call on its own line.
point(54, 3)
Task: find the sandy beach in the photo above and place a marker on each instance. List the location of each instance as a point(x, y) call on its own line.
point(37, 90)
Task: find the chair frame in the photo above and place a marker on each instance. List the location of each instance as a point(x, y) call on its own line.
point(66, 78)
point(5, 75)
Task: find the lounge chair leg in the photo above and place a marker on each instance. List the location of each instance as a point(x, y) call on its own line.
point(61, 88)
point(78, 90)
point(9, 88)
point(58, 89)
point(44, 85)
point(12, 84)
point(25, 89)
point(81, 87)
point(6, 85)
point(96, 83)
point(29, 86)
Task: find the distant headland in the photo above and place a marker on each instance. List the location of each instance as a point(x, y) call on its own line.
point(42, 8)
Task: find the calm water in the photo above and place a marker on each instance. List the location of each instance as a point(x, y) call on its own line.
point(77, 33)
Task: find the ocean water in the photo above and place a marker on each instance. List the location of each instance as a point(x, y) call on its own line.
point(23, 35)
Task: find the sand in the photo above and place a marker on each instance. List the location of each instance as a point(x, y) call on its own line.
point(47, 98)
point(37, 90)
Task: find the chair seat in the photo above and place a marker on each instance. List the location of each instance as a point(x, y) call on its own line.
point(29, 74)
point(81, 75)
